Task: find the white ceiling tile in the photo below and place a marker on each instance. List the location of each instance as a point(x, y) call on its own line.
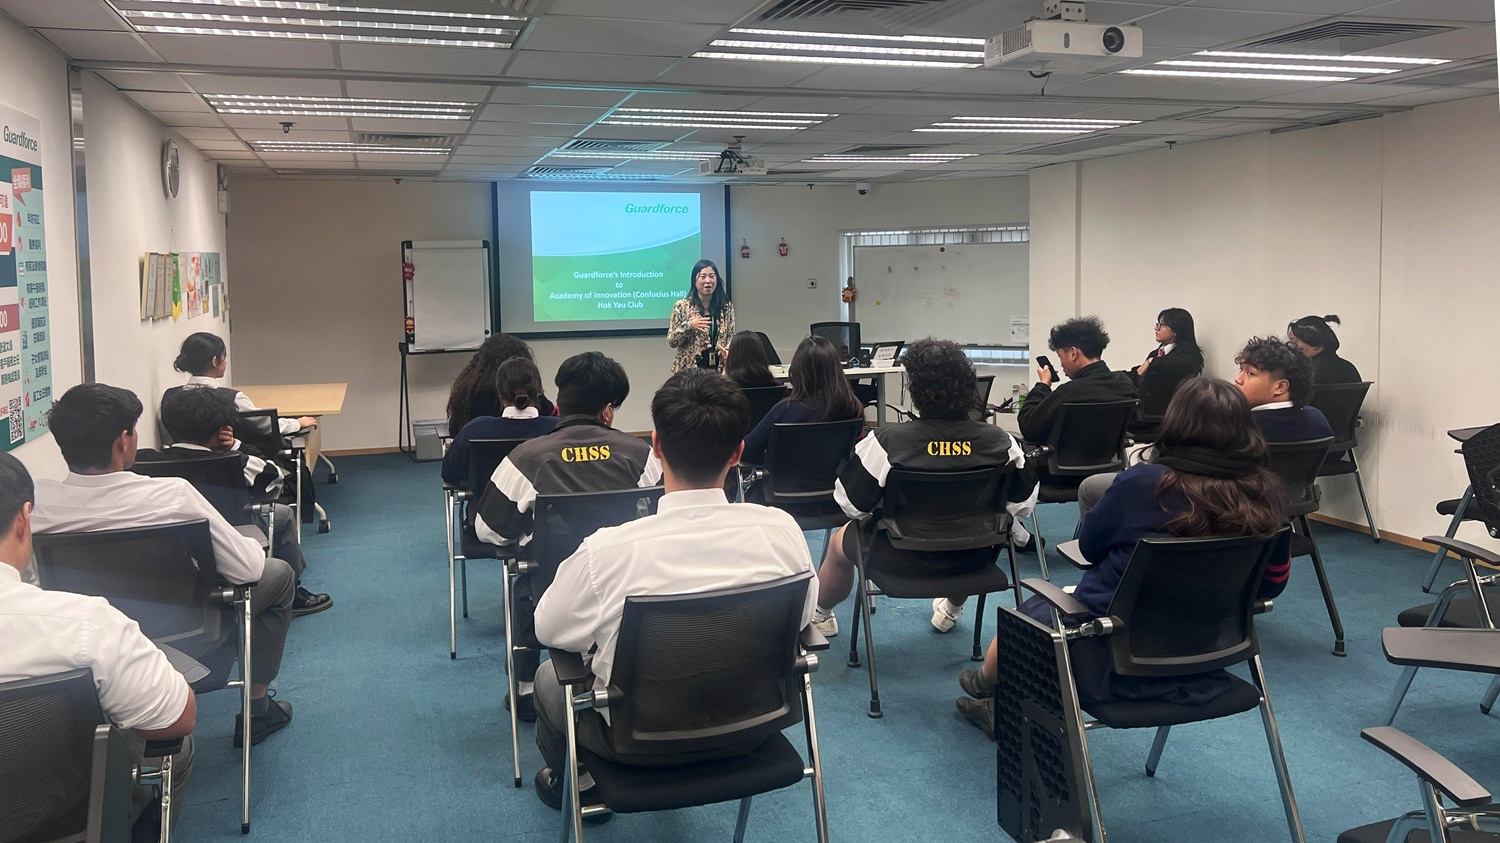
point(982, 81)
point(651, 133)
point(241, 52)
point(875, 78)
point(214, 147)
point(822, 105)
point(1431, 96)
point(163, 101)
point(383, 162)
point(1130, 112)
point(523, 129)
point(717, 72)
point(403, 126)
point(1311, 7)
point(226, 155)
point(1341, 92)
point(292, 159)
point(561, 114)
point(697, 11)
point(97, 45)
point(197, 133)
point(1465, 10)
point(127, 81)
point(417, 91)
point(396, 58)
point(1468, 43)
point(535, 64)
point(1125, 87)
point(717, 102)
point(341, 136)
point(65, 14)
point(1202, 29)
point(1241, 90)
point(209, 84)
point(619, 37)
point(473, 141)
point(425, 161)
point(273, 122)
point(189, 118)
point(875, 123)
point(523, 95)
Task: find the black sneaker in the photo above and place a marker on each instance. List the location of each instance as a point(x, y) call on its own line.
point(308, 603)
point(975, 685)
point(1029, 546)
point(549, 789)
point(527, 712)
point(277, 715)
point(979, 712)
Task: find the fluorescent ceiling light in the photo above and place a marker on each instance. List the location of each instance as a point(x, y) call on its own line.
point(311, 6)
point(797, 114)
point(1305, 57)
point(1241, 65)
point(345, 148)
point(1281, 67)
point(706, 54)
point(1052, 121)
point(317, 21)
point(914, 158)
point(1026, 125)
point(849, 36)
point(661, 155)
point(691, 118)
point(1211, 74)
point(846, 48)
point(595, 176)
point(339, 107)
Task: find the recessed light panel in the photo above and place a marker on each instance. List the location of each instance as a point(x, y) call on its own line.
point(915, 159)
point(345, 148)
point(1025, 125)
point(339, 107)
point(846, 48)
point(692, 118)
point(303, 20)
point(1281, 67)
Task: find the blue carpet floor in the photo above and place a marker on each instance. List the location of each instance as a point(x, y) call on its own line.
point(394, 742)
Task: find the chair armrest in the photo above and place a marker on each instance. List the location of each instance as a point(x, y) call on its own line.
point(890, 527)
point(162, 749)
point(1069, 550)
point(1473, 650)
point(570, 667)
point(1059, 599)
point(191, 669)
point(251, 531)
point(1262, 606)
point(1487, 558)
point(813, 640)
point(1039, 452)
point(1428, 765)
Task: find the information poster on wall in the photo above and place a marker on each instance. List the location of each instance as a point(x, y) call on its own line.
point(25, 332)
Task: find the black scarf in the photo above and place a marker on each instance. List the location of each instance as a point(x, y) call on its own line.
point(1207, 462)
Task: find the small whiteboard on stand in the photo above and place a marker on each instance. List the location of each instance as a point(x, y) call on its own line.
point(448, 306)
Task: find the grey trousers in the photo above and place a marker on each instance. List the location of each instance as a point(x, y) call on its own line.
point(270, 605)
point(1092, 489)
point(285, 545)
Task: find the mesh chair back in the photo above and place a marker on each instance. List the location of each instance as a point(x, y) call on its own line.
point(219, 478)
point(564, 521)
point(1297, 464)
point(485, 455)
point(700, 671)
point(261, 430)
point(843, 335)
point(1482, 459)
point(1089, 439)
point(765, 343)
point(1340, 403)
point(1188, 605)
point(804, 459)
point(46, 756)
point(159, 577)
point(1038, 734)
point(946, 510)
point(762, 399)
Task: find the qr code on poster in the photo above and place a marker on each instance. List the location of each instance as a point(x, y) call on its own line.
point(17, 420)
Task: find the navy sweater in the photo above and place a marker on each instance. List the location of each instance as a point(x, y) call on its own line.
point(786, 411)
point(456, 461)
point(1292, 424)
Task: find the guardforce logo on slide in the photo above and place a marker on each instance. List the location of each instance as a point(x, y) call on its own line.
point(663, 208)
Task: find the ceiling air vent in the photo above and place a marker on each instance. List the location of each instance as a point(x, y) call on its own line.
point(552, 170)
point(388, 139)
point(590, 145)
point(886, 15)
point(1346, 37)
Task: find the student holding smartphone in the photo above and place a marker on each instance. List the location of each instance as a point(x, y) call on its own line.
point(1079, 345)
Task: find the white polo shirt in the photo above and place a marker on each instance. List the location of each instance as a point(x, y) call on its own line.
point(46, 632)
point(121, 500)
point(697, 541)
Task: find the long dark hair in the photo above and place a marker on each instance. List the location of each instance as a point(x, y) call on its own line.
point(817, 376)
point(477, 380)
point(1317, 331)
point(518, 383)
point(747, 364)
point(199, 352)
point(721, 290)
point(1181, 323)
point(1213, 415)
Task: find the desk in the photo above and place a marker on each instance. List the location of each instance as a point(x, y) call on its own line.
point(304, 399)
point(877, 372)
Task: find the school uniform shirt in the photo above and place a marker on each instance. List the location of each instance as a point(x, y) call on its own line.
point(697, 541)
point(488, 405)
point(82, 503)
point(262, 477)
point(1093, 384)
point(47, 632)
point(510, 424)
point(242, 402)
point(1283, 421)
point(582, 454)
point(1171, 364)
point(1328, 367)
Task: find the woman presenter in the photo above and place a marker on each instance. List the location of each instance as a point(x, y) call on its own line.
point(702, 323)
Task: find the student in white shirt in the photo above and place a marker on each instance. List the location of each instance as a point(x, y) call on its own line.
point(94, 425)
point(48, 632)
point(698, 541)
point(205, 358)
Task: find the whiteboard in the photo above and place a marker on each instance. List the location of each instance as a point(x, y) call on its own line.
point(961, 292)
point(448, 298)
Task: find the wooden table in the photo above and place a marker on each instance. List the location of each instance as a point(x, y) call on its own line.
point(876, 372)
point(304, 399)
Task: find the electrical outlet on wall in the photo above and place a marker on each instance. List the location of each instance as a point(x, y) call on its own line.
point(812, 283)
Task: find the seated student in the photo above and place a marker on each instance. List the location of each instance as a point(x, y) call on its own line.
point(205, 358)
point(1079, 344)
point(697, 541)
point(94, 426)
point(746, 364)
point(473, 393)
point(820, 393)
point(941, 382)
point(1205, 477)
point(47, 632)
point(1314, 337)
point(1176, 358)
point(519, 386)
point(589, 388)
point(203, 420)
point(1277, 380)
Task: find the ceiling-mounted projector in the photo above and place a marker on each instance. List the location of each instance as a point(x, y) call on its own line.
point(1064, 43)
point(732, 162)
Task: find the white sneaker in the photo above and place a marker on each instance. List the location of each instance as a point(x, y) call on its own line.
point(945, 614)
point(825, 623)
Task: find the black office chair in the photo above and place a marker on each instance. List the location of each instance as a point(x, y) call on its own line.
point(560, 523)
point(485, 455)
point(843, 335)
point(762, 399)
point(1340, 403)
point(803, 460)
point(765, 343)
point(932, 514)
point(696, 672)
point(1484, 455)
point(1435, 775)
point(1184, 607)
point(221, 480)
point(166, 579)
point(1299, 464)
point(1086, 439)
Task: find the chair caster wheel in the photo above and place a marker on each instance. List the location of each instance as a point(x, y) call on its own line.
point(324, 525)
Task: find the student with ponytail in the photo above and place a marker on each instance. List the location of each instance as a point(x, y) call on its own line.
point(1314, 337)
point(204, 358)
point(518, 385)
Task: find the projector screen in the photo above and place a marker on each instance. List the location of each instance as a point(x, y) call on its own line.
point(608, 259)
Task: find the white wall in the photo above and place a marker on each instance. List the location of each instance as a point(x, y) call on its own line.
point(1387, 223)
point(324, 302)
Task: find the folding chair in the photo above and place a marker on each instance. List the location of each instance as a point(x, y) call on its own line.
point(485, 455)
point(165, 579)
point(1480, 447)
point(1299, 464)
point(1086, 439)
point(1184, 607)
point(560, 523)
point(1475, 820)
point(740, 677)
point(932, 513)
point(1340, 403)
point(262, 429)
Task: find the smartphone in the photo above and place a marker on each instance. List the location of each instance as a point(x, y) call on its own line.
point(1046, 364)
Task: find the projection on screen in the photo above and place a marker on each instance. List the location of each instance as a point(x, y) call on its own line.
point(611, 256)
